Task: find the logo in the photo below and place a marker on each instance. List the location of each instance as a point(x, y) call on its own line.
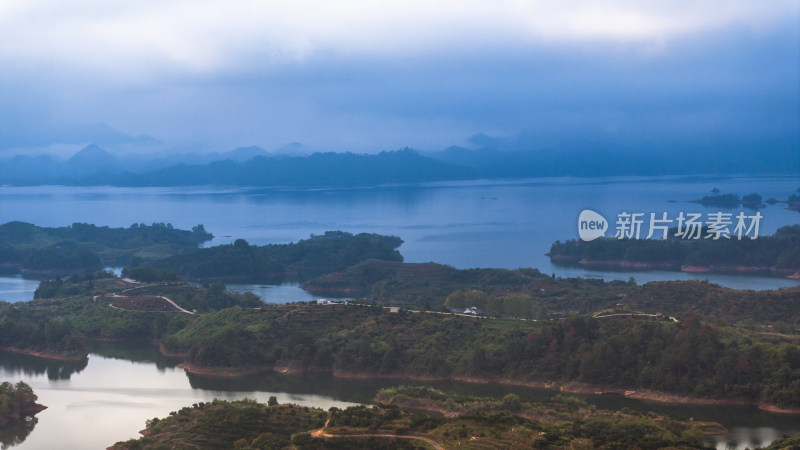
point(591, 225)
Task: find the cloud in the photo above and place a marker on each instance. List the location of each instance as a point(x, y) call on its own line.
point(373, 75)
point(135, 39)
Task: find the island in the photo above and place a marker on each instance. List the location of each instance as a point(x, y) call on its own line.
point(80, 247)
point(396, 422)
point(753, 200)
point(307, 258)
point(778, 254)
point(17, 401)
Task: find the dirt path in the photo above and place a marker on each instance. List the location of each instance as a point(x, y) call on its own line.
point(602, 316)
point(178, 307)
point(321, 433)
point(174, 304)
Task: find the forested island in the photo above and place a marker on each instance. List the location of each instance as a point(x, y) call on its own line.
point(17, 401)
point(753, 200)
point(317, 255)
point(468, 421)
point(159, 252)
point(81, 247)
point(778, 254)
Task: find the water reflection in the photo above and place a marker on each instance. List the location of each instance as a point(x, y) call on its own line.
point(749, 426)
point(16, 364)
point(15, 434)
point(496, 223)
point(134, 351)
point(126, 383)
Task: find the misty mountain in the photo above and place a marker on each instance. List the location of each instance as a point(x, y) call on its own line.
point(525, 156)
point(149, 163)
point(24, 169)
point(99, 133)
point(515, 157)
point(318, 169)
point(43, 169)
point(91, 159)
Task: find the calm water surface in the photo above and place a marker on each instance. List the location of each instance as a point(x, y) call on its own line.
point(106, 399)
point(508, 223)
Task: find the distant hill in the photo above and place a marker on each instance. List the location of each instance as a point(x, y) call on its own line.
point(488, 158)
point(318, 169)
point(91, 159)
point(528, 156)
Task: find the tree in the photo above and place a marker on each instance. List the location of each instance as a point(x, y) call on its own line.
point(512, 402)
point(273, 401)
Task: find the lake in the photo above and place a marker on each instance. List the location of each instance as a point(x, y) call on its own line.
point(106, 399)
point(497, 223)
point(508, 223)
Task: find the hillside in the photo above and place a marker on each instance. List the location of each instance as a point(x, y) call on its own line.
point(530, 294)
point(563, 422)
point(615, 349)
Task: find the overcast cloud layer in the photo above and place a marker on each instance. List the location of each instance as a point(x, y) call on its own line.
point(366, 76)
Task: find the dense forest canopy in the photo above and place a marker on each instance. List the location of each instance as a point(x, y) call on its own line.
point(397, 423)
point(84, 247)
point(688, 357)
point(16, 401)
point(317, 255)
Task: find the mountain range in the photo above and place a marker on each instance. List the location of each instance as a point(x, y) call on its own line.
point(489, 158)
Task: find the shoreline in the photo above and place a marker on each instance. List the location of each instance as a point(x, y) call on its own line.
point(770, 271)
point(565, 387)
point(44, 355)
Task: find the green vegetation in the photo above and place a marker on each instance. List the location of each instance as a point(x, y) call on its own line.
point(779, 253)
point(564, 422)
point(225, 425)
point(561, 416)
point(699, 354)
point(161, 253)
point(688, 357)
point(148, 274)
point(418, 283)
point(82, 247)
point(785, 443)
point(731, 200)
point(16, 402)
point(67, 313)
point(518, 306)
point(526, 293)
point(335, 250)
point(74, 285)
point(724, 200)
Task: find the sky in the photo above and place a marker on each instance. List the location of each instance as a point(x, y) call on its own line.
point(365, 76)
